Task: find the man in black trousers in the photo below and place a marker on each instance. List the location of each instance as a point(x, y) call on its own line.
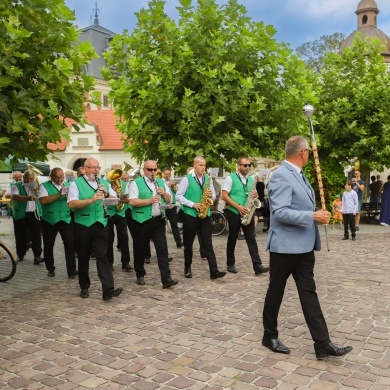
point(236, 190)
point(292, 239)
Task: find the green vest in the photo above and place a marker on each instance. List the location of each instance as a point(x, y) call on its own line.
point(94, 212)
point(112, 210)
point(19, 208)
point(58, 210)
point(237, 192)
point(194, 193)
point(144, 213)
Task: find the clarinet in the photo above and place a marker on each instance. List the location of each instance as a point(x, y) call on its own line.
point(106, 215)
point(159, 203)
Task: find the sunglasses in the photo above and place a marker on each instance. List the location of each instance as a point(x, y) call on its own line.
point(245, 165)
point(151, 169)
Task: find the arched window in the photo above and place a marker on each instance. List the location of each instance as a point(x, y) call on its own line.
point(364, 20)
point(78, 163)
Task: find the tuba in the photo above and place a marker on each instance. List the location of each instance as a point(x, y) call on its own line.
point(251, 205)
point(205, 202)
point(113, 176)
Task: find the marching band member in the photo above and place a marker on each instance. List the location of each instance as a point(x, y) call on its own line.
point(146, 195)
point(193, 195)
point(26, 212)
point(90, 228)
point(171, 214)
point(235, 192)
point(56, 219)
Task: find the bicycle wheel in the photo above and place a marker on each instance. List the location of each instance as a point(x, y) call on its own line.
point(7, 262)
point(218, 222)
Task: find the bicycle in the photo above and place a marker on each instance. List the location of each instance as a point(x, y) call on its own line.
point(8, 262)
point(218, 222)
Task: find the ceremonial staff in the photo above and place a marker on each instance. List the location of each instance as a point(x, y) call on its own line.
point(308, 112)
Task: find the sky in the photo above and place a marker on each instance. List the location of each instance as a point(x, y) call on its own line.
point(296, 21)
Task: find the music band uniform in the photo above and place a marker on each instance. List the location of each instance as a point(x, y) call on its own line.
point(118, 219)
point(189, 194)
point(149, 223)
point(26, 211)
point(235, 192)
point(90, 229)
point(55, 219)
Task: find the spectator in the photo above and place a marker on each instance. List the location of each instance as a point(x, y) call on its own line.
point(337, 215)
point(384, 218)
point(358, 186)
point(375, 190)
point(350, 206)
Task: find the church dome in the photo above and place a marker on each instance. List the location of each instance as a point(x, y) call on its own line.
point(367, 11)
point(369, 32)
point(366, 4)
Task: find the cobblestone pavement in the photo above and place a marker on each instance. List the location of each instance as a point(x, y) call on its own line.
point(200, 334)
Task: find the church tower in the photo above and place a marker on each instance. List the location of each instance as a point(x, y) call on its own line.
point(367, 11)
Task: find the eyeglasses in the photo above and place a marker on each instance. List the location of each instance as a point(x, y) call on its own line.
point(245, 165)
point(308, 150)
point(92, 167)
point(151, 169)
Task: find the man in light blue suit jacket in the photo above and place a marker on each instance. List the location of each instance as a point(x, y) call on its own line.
point(292, 239)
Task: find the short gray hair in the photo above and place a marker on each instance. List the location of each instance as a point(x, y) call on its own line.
point(294, 145)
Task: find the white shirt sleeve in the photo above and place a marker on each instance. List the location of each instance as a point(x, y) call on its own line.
point(42, 191)
point(227, 184)
point(183, 186)
point(73, 193)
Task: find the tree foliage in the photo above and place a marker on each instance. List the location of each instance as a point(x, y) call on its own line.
point(313, 53)
point(353, 112)
point(41, 80)
point(214, 84)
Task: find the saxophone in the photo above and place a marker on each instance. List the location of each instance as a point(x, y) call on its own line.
point(205, 202)
point(251, 205)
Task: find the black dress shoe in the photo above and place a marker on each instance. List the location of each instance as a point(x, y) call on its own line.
point(179, 245)
point(216, 275)
point(188, 273)
point(38, 260)
point(112, 294)
point(353, 238)
point(147, 260)
point(232, 269)
point(51, 273)
point(20, 258)
point(141, 281)
point(261, 270)
point(275, 345)
point(84, 293)
point(331, 350)
point(345, 238)
point(170, 259)
point(170, 283)
point(126, 268)
point(73, 275)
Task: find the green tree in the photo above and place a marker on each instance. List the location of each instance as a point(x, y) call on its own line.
point(353, 112)
point(41, 80)
point(314, 52)
point(214, 84)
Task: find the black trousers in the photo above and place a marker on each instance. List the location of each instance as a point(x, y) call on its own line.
point(49, 237)
point(153, 229)
point(171, 215)
point(191, 226)
point(130, 222)
point(301, 267)
point(28, 227)
point(349, 221)
point(234, 221)
point(123, 239)
point(93, 239)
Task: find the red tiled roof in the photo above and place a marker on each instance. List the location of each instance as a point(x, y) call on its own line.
point(105, 122)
